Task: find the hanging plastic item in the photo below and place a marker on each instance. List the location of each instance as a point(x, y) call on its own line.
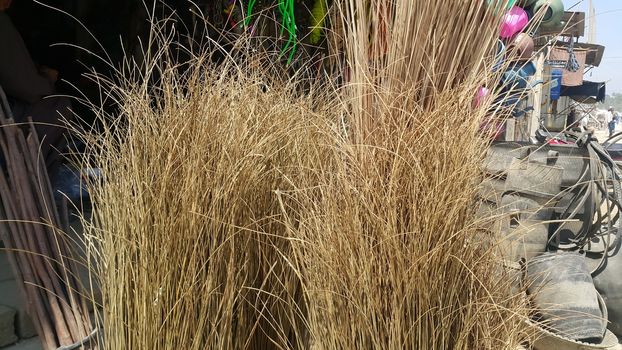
point(499, 56)
point(233, 16)
point(525, 3)
point(493, 128)
point(517, 76)
point(556, 83)
point(523, 46)
point(498, 2)
point(553, 14)
point(318, 14)
point(513, 22)
point(480, 96)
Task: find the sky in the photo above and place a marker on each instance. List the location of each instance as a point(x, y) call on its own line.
point(609, 34)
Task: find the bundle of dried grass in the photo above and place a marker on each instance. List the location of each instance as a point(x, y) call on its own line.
point(190, 250)
point(388, 253)
point(237, 214)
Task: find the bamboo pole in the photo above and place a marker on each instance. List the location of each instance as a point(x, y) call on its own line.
point(37, 240)
point(24, 258)
point(21, 261)
point(39, 255)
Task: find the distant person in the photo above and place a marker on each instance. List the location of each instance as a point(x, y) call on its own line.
point(29, 88)
point(584, 122)
point(611, 121)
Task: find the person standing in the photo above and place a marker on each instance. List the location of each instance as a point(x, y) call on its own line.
point(571, 119)
point(611, 122)
point(30, 89)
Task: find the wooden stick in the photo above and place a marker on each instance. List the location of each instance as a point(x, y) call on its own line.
point(39, 256)
point(44, 268)
point(21, 261)
point(42, 182)
point(24, 261)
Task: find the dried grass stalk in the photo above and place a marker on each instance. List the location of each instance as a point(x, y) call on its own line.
point(389, 249)
point(237, 214)
point(191, 250)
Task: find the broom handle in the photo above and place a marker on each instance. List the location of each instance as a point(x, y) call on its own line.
point(34, 232)
point(59, 247)
point(23, 262)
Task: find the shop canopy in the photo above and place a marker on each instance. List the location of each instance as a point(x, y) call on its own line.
point(589, 92)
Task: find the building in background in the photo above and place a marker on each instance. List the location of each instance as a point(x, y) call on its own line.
point(558, 86)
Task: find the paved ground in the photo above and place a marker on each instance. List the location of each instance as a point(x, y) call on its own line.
point(28, 344)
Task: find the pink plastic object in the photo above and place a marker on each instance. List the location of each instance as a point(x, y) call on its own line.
point(492, 129)
point(514, 21)
point(557, 142)
point(480, 96)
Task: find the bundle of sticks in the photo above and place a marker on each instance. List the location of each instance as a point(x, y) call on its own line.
point(30, 228)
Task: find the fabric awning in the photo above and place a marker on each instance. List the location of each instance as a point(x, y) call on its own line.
point(589, 92)
point(595, 52)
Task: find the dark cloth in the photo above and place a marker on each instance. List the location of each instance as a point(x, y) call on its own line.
point(571, 120)
point(27, 90)
point(18, 74)
point(47, 115)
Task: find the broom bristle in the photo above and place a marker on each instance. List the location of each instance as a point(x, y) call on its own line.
point(391, 258)
point(191, 251)
point(237, 213)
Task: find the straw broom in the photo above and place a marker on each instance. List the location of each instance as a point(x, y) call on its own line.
point(238, 214)
point(387, 241)
point(189, 245)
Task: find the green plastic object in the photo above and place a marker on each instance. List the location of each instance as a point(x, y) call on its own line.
point(286, 7)
point(249, 12)
point(554, 12)
point(318, 13)
point(526, 3)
